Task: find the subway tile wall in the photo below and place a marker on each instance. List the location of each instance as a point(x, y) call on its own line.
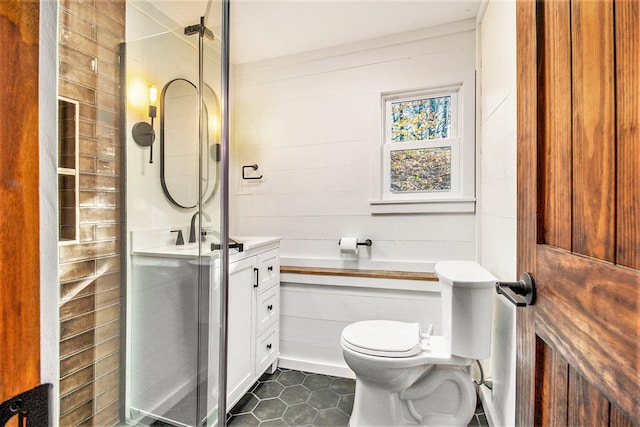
point(90, 277)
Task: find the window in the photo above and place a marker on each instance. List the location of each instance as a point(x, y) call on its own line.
point(422, 153)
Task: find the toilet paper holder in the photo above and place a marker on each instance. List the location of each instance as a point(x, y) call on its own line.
point(367, 242)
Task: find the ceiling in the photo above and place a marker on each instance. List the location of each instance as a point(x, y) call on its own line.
point(263, 29)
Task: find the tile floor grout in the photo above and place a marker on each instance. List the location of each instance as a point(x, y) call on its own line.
point(289, 398)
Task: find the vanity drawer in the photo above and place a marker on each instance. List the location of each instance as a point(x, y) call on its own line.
point(269, 269)
point(268, 308)
point(267, 348)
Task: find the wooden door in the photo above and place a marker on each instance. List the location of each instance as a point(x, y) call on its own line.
point(578, 347)
point(19, 210)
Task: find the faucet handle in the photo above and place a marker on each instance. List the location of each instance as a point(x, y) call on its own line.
point(180, 238)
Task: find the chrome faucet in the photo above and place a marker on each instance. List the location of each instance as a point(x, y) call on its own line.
point(192, 229)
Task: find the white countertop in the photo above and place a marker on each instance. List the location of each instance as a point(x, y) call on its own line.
point(190, 250)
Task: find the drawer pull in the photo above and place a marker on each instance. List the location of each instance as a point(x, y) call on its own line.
point(270, 307)
point(270, 268)
point(268, 346)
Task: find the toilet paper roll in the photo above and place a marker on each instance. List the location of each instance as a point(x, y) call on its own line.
point(349, 245)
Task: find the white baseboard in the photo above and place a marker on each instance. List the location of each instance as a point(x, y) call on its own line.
point(316, 367)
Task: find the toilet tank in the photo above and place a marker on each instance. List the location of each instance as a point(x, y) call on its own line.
point(467, 307)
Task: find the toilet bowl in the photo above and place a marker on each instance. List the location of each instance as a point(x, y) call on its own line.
point(406, 375)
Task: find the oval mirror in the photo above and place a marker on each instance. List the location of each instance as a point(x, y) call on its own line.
point(180, 147)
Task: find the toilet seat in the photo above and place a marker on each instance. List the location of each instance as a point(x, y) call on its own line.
point(384, 338)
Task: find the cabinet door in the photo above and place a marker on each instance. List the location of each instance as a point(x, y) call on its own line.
point(240, 351)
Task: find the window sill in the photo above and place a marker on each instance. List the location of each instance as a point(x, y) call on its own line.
point(381, 207)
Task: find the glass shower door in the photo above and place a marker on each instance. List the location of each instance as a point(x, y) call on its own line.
point(173, 116)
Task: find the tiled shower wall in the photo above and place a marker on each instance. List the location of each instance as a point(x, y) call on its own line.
point(90, 278)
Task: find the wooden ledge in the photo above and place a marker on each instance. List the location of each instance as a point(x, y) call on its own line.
point(374, 274)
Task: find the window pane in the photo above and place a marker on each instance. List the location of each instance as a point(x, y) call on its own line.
point(426, 169)
point(421, 119)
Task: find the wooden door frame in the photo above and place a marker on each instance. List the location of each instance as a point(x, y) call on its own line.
point(526, 74)
point(19, 198)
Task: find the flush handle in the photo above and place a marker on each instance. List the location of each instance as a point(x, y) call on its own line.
point(520, 294)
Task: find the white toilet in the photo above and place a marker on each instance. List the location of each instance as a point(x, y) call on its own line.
point(407, 376)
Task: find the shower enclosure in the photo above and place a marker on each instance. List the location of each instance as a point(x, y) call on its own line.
point(176, 227)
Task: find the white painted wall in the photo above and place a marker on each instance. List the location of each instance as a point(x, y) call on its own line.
point(48, 125)
point(497, 191)
point(312, 124)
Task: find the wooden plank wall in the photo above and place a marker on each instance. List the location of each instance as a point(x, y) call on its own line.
point(90, 278)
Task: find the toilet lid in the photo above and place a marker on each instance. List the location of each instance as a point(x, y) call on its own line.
point(383, 338)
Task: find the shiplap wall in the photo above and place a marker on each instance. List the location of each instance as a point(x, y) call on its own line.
point(313, 315)
point(497, 192)
point(312, 124)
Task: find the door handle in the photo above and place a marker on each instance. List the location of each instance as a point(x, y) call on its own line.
point(235, 245)
point(257, 282)
point(522, 293)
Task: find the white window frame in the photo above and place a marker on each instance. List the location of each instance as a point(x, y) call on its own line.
point(460, 198)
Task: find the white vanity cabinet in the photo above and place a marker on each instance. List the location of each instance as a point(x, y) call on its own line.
point(253, 317)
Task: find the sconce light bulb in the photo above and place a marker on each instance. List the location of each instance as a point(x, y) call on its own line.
point(214, 124)
point(153, 95)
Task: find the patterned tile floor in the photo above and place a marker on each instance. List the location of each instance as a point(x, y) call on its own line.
point(294, 398)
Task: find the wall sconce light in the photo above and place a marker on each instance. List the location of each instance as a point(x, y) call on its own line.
point(143, 133)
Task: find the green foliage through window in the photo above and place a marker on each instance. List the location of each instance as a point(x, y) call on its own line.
point(427, 169)
point(421, 119)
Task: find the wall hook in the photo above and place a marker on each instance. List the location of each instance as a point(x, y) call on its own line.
point(254, 167)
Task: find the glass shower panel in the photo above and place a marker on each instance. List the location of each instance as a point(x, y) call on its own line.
point(173, 84)
point(211, 211)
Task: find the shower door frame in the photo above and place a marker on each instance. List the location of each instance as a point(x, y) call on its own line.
point(224, 212)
